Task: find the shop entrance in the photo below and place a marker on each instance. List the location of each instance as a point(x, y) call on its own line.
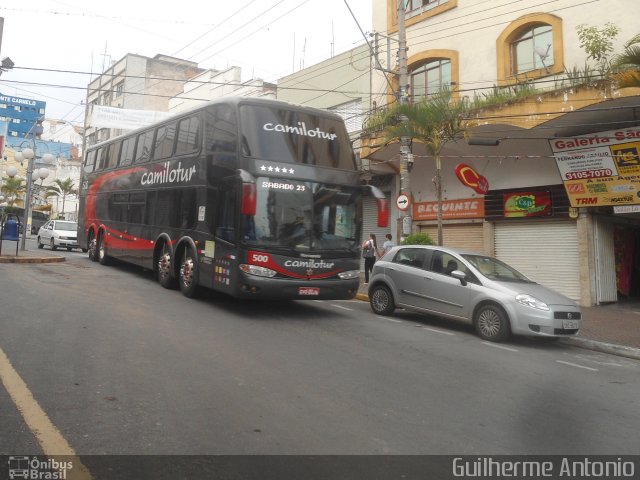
point(626, 240)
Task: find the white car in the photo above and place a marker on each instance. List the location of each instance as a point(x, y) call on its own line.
point(495, 297)
point(58, 233)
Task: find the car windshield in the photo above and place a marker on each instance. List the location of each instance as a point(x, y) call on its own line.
point(67, 226)
point(495, 269)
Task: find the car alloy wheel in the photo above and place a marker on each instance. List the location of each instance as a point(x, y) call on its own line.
point(492, 324)
point(381, 300)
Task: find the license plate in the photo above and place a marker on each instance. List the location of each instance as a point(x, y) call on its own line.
point(570, 324)
point(308, 291)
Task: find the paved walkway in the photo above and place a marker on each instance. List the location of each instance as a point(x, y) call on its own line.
point(612, 328)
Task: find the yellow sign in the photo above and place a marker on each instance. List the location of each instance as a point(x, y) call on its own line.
point(600, 169)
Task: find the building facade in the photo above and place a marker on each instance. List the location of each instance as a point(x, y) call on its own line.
point(136, 82)
point(536, 214)
point(21, 115)
point(212, 84)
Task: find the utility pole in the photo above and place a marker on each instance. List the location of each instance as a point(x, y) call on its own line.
point(406, 160)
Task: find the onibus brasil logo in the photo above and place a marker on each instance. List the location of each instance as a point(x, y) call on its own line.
point(35, 468)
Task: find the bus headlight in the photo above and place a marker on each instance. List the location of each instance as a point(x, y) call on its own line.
point(349, 275)
point(258, 271)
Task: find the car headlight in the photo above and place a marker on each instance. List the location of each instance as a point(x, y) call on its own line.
point(350, 274)
point(258, 271)
point(531, 301)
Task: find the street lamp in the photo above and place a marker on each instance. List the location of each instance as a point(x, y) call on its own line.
point(29, 154)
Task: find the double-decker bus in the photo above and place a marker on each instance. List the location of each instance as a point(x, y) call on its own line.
point(251, 197)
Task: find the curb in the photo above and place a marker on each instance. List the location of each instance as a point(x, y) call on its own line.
point(619, 350)
point(27, 259)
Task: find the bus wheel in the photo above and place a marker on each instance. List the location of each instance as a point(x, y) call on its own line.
point(164, 268)
point(103, 258)
point(189, 274)
point(93, 248)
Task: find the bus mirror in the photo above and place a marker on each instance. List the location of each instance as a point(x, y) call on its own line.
point(248, 199)
point(383, 212)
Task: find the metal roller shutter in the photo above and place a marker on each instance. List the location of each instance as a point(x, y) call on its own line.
point(467, 237)
point(546, 252)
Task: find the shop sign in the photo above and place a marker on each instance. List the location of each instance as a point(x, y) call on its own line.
point(600, 169)
point(472, 179)
point(527, 204)
point(451, 209)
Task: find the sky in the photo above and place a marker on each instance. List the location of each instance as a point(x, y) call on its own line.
point(56, 45)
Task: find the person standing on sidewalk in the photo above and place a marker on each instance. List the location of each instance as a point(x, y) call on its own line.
point(369, 253)
point(388, 243)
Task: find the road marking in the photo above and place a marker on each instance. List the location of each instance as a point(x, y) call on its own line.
point(340, 306)
point(48, 436)
point(438, 331)
point(577, 366)
point(389, 319)
point(502, 347)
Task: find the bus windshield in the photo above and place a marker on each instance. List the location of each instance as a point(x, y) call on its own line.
point(303, 216)
point(290, 136)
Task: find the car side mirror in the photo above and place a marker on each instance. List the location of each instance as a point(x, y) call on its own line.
point(460, 275)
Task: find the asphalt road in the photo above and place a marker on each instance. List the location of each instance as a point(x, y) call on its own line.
point(120, 365)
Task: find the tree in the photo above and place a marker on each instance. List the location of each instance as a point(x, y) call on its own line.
point(13, 188)
point(598, 43)
point(627, 64)
point(434, 121)
point(61, 188)
point(419, 238)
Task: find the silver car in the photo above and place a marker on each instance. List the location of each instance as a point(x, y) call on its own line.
point(495, 297)
point(58, 233)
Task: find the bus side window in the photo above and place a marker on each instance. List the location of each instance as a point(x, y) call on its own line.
point(100, 159)
point(164, 141)
point(226, 216)
point(114, 154)
point(188, 136)
point(222, 138)
point(143, 149)
point(117, 206)
point(136, 207)
point(90, 161)
point(128, 149)
point(188, 208)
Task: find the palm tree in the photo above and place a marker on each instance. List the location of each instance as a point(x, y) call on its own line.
point(627, 64)
point(13, 188)
point(61, 188)
point(434, 121)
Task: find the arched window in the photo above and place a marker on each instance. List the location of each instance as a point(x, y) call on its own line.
point(532, 50)
point(429, 78)
point(530, 47)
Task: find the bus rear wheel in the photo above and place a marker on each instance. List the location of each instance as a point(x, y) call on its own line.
point(189, 274)
point(103, 258)
point(165, 266)
point(93, 248)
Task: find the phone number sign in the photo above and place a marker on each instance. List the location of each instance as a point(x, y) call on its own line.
point(600, 169)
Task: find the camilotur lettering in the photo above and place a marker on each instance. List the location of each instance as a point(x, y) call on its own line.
point(168, 175)
point(308, 264)
point(301, 129)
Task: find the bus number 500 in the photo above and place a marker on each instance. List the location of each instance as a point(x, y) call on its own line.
point(259, 258)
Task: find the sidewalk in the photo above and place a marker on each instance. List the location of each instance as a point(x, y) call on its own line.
point(612, 328)
point(27, 256)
